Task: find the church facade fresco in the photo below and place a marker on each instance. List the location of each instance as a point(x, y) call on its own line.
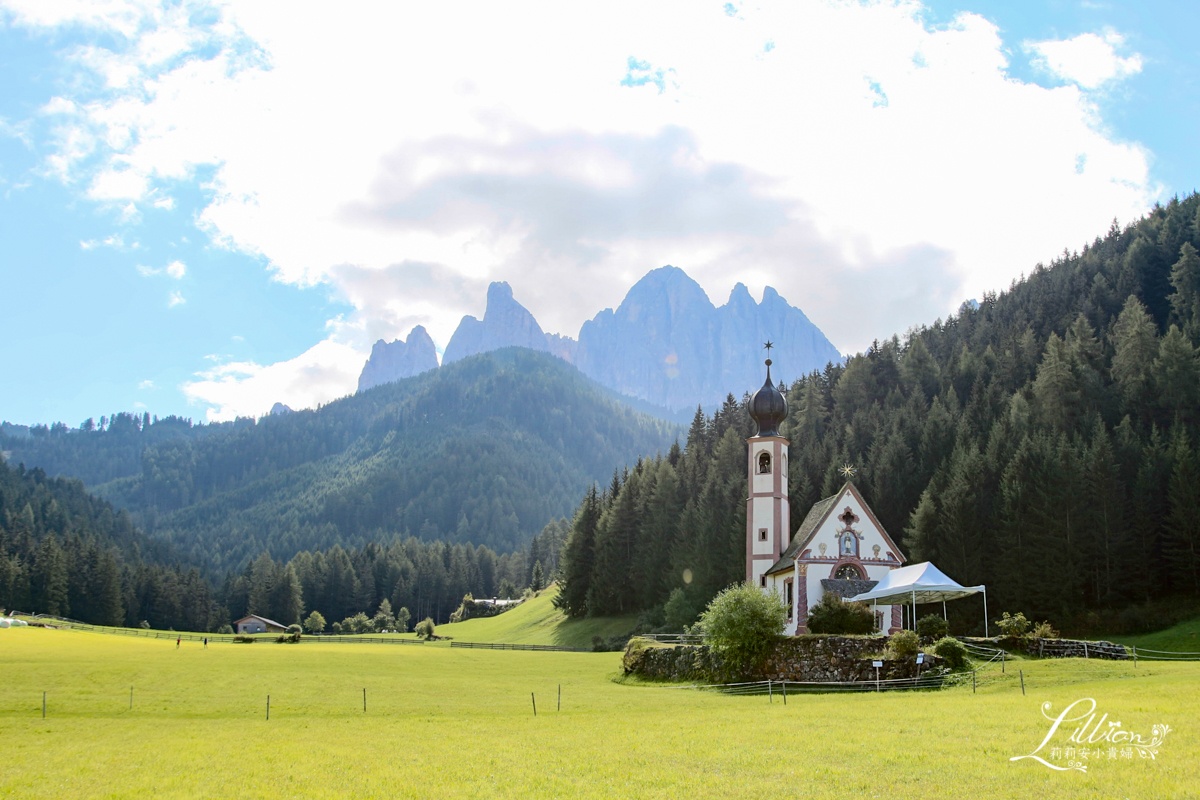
point(839, 548)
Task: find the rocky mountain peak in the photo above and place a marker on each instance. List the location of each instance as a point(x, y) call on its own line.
point(399, 359)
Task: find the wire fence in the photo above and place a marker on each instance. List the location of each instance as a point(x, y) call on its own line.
point(1162, 655)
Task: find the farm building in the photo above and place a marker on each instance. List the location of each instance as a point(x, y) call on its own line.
point(257, 624)
point(839, 548)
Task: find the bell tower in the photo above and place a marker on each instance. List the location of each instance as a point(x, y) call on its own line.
point(767, 511)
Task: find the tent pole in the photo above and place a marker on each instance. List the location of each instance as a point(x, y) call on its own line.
point(985, 625)
point(944, 611)
point(914, 611)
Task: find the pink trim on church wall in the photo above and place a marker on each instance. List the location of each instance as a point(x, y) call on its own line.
point(802, 606)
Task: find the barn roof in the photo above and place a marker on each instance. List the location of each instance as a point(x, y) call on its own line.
point(260, 619)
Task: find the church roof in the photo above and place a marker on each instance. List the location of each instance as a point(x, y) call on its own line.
point(816, 516)
point(768, 407)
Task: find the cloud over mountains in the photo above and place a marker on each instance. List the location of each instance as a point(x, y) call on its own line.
point(874, 168)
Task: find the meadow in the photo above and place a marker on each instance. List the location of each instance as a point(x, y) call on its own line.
point(449, 722)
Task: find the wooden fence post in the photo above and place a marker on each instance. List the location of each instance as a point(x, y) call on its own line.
point(1022, 683)
point(533, 700)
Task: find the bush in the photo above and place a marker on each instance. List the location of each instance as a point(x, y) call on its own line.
point(1042, 630)
point(293, 628)
point(932, 627)
point(289, 638)
point(1013, 625)
point(835, 615)
point(243, 639)
point(315, 623)
point(741, 623)
point(424, 628)
point(904, 644)
point(225, 629)
point(954, 651)
point(336, 628)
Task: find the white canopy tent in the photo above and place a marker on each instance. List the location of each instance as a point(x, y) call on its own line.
point(920, 583)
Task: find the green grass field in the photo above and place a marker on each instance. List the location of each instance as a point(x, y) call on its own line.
point(1184, 637)
point(537, 621)
point(448, 722)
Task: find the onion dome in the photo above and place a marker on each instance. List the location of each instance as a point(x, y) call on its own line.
point(768, 408)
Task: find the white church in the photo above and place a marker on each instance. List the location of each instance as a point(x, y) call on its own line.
point(840, 547)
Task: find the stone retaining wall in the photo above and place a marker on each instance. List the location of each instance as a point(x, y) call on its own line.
point(802, 658)
point(1057, 648)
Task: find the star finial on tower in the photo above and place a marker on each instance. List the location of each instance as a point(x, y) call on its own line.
point(848, 471)
point(767, 345)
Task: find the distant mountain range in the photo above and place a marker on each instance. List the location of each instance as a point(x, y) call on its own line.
point(666, 344)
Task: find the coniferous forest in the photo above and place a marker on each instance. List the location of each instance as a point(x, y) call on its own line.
point(1043, 441)
point(66, 553)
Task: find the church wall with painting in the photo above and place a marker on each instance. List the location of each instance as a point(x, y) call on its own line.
point(840, 547)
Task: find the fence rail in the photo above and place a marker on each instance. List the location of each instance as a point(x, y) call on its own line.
point(673, 638)
point(504, 646)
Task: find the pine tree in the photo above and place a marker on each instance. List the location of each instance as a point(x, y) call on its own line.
point(1183, 518)
point(1185, 279)
point(579, 556)
point(1135, 343)
point(1176, 374)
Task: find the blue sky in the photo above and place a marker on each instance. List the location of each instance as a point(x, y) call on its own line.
point(202, 214)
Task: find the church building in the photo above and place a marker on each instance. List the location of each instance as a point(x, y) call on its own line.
point(840, 547)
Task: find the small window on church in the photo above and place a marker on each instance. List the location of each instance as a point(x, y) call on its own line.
point(788, 591)
point(764, 463)
point(762, 581)
point(762, 534)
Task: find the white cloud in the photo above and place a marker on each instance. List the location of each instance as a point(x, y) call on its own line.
point(146, 385)
point(245, 388)
point(116, 241)
point(1088, 60)
point(421, 152)
point(176, 269)
point(175, 299)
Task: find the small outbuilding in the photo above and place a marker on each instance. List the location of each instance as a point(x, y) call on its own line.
point(257, 624)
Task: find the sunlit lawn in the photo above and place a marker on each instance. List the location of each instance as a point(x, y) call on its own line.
point(444, 722)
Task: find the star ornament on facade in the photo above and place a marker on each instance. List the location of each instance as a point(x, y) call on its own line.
point(847, 471)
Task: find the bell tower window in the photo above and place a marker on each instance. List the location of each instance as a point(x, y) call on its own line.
point(764, 463)
point(762, 534)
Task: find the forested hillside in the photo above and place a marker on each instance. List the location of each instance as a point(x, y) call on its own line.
point(66, 553)
point(1044, 443)
point(94, 452)
point(485, 451)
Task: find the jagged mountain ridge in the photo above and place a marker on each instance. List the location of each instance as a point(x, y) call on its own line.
point(399, 359)
point(666, 343)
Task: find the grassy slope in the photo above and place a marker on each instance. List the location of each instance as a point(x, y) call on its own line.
point(537, 621)
point(1184, 637)
point(457, 723)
